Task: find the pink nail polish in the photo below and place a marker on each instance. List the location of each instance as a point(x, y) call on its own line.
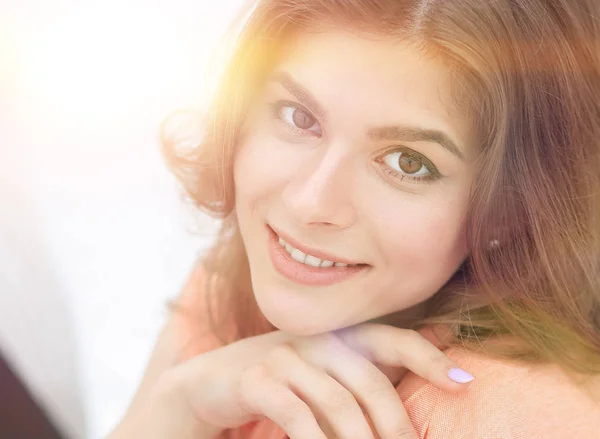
point(460, 376)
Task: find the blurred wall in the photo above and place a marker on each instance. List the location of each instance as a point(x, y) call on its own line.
point(93, 237)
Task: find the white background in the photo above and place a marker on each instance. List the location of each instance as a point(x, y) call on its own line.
point(93, 236)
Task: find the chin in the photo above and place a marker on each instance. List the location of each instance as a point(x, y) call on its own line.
point(283, 312)
point(298, 327)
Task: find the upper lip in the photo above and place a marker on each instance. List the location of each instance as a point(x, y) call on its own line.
point(311, 251)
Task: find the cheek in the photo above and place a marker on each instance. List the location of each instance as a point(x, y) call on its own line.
point(421, 240)
point(257, 172)
point(264, 165)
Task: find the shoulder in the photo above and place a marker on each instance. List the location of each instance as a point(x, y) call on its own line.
point(506, 400)
point(193, 315)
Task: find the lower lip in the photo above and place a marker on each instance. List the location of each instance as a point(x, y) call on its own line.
point(305, 274)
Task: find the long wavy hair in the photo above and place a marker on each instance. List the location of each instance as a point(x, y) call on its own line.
point(527, 73)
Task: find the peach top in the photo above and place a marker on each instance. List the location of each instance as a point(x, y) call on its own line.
point(505, 401)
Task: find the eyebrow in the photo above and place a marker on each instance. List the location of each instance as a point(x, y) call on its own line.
point(299, 92)
point(389, 133)
point(414, 134)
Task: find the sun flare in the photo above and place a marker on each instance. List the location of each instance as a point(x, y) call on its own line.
point(104, 63)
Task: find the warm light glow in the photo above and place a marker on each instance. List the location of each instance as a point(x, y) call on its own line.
point(102, 63)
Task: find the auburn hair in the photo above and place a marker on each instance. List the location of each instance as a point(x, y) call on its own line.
point(527, 73)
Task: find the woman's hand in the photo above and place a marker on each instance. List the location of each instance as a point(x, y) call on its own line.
point(339, 384)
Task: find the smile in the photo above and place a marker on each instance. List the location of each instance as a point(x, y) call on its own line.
point(310, 260)
point(309, 267)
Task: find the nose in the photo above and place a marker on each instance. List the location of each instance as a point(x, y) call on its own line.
point(321, 193)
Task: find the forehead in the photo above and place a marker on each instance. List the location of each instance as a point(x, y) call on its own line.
point(376, 81)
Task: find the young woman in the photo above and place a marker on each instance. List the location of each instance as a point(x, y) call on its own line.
point(394, 177)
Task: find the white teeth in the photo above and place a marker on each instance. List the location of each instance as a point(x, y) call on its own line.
point(297, 255)
point(312, 261)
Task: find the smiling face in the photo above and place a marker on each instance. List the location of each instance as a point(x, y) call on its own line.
point(352, 154)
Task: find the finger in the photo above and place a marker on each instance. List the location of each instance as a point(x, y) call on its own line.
point(369, 385)
point(394, 373)
point(263, 395)
point(328, 399)
point(391, 346)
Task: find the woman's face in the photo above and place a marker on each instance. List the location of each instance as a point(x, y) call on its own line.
point(352, 154)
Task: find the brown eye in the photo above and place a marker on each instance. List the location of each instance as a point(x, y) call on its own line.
point(302, 119)
point(297, 117)
point(409, 165)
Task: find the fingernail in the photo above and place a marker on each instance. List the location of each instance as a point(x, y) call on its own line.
point(460, 376)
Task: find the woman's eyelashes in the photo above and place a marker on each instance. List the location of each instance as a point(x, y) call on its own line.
point(405, 163)
point(296, 118)
point(402, 163)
